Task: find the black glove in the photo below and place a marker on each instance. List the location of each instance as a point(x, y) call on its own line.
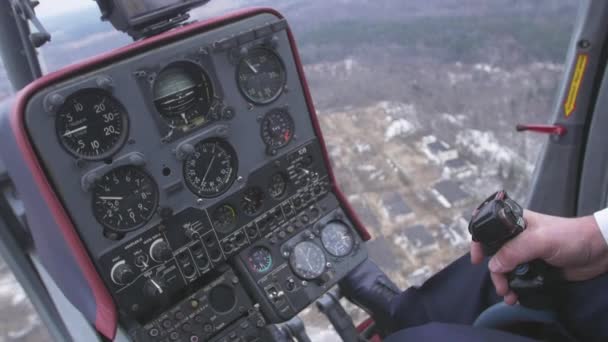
point(369, 288)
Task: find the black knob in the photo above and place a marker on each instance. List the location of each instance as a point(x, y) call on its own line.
point(154, 287)
point(122, 274)
point(160, 251)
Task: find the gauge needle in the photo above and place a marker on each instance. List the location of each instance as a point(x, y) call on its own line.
point(255, 71)
point(110, 198)
point(75, 130)
point(208, 169)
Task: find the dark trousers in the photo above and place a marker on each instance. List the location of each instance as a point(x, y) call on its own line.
point(445, 306)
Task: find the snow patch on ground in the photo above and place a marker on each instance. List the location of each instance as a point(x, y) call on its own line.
point(485, 145)
point(398, 127)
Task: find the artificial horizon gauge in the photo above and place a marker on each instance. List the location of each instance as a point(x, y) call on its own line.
point(260, 260)
point(125, 198)
point(307, 260)
point(277, 128)
point(252, 201)
point(211, 169)
point(224, 218)
point(183, 94)
point(278, 185)
point(261, 75)
point(337, 239)
point(91, 124)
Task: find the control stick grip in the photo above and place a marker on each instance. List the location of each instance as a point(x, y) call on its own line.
point(499, 219)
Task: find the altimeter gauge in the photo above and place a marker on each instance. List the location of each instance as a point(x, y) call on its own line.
point(91, 124)
point(125, 198)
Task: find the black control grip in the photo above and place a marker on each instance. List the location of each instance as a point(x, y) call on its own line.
point(499, 219)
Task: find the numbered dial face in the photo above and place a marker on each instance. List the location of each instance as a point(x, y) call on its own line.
point(278, 185)
point(211, 169)
point(252, 201)
point(91, 124)
point(261, 76)
point(337, 239)
point(307, 260)
point(260, 260)
point(183, 94)
point(277, 128)
point(224, 218)
point(125, 198)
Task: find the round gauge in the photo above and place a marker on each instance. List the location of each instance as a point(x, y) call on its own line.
point(261, 76)
point(307, 260)
point(125, 198)
point(224, 218)
point(211, 169)
point(183, 94)
point(91, 124)
point(252, 201)
point(336, 239)
point(260, 260)
point(277, 128)
point(278, 185)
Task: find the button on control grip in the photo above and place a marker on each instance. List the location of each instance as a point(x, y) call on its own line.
point(499, 219)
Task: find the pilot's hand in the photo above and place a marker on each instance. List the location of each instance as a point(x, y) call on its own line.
point(575, 245)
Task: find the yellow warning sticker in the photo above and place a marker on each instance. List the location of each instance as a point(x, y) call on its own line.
point(575, 84)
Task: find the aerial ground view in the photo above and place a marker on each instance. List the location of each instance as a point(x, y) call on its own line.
point(417, 102)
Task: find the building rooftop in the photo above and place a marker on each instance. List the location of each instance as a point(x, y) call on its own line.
point(395, 204)
point(456, 163)
point(451, 191)
point(418, 236)
point(438, 146)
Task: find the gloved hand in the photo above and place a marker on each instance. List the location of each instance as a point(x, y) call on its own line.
point(368, 287)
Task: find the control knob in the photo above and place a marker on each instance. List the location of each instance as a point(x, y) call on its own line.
point(160, 251)
point(122, 273)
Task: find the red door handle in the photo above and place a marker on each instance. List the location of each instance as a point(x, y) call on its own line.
point(545, 129)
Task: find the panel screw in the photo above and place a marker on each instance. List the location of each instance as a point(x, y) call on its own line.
point(584, 44)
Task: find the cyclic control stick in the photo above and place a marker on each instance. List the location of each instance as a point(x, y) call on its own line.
point(499, 219)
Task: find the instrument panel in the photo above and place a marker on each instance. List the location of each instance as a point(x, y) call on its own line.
point(193, 171)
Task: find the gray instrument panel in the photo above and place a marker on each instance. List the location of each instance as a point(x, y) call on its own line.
point(168, 256)
point(145, 139)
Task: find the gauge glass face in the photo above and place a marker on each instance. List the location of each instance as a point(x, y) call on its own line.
point(261, 76)
point(337, 239)
point(224, 218)
point(91, 124)
point(260, 260)
point(252, 201)
point(125, 198)
point(183, 94)
point(307, 260)
point(278, 185)
point(211, 169)
point(277, 128)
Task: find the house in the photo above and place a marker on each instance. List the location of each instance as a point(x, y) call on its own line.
point(436, 150)
point(449, 193)
point(458, 168)
point(457, 231)
point(419, 276)
point(394, 207)
point(417, 239)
